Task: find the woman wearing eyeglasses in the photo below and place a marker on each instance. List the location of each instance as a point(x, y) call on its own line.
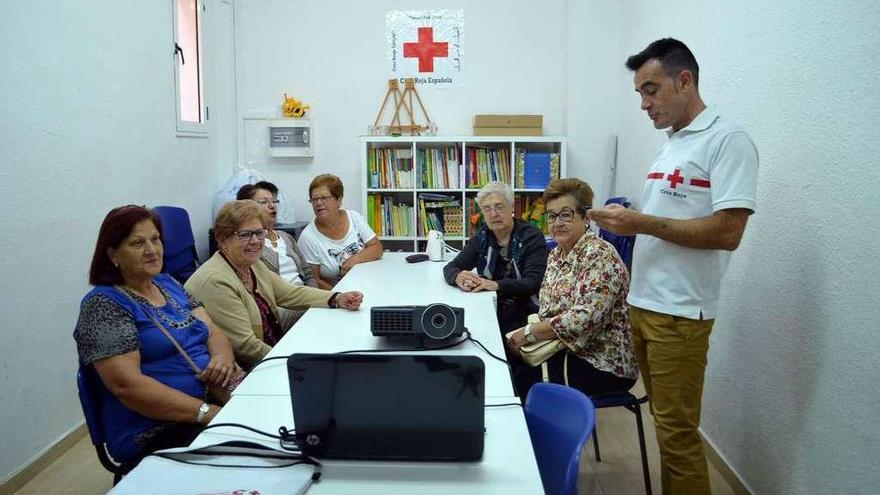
point(281, 253)
point(337, 239)
point(583, 304)
point(241, 294)
point(509, 256)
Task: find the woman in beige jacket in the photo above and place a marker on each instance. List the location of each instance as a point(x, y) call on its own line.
point(241, 295)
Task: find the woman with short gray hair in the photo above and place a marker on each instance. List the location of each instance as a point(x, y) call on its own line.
point(509, 256)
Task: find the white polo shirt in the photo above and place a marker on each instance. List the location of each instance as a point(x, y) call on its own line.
point(708, 166)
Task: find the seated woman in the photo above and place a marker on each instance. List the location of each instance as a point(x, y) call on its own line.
point(151, 398)
point(510, 257)
point(583, 303)
point(281, 253)
point(241, 294)
point(336, 239)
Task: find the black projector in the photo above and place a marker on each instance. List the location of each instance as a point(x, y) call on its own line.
point(435, 321)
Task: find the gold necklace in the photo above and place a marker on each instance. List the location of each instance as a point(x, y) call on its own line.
point(275, 240)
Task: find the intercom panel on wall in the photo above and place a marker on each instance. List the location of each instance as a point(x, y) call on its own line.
point(290, 137)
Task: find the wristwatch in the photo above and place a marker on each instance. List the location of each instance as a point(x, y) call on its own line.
point(332, 301)
point(528, 335)
point(204, 409)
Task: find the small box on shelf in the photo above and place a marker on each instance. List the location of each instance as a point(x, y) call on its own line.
point(508, 125)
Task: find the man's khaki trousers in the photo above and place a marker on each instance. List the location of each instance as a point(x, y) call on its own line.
point(671, 351)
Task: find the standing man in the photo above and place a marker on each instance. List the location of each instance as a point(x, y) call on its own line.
point(699, 194)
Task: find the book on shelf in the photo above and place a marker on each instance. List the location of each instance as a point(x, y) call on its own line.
point(439, 168)
point(534, 170)
point(388, 218)
point(474, 217)
point(390, 168)
point(485, 165)
point(440, 212)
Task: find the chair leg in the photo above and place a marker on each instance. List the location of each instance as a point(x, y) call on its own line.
point(596, 441)
point(644, 452)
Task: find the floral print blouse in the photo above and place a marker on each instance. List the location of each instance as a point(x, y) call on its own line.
point(583, 297)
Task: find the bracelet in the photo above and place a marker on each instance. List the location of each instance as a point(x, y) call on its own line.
point(332, 301)
point(204, 409)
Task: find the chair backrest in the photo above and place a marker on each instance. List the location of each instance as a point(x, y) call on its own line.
point(180, 259)
point(622, 243)
point(560, 420)
point(90, 400)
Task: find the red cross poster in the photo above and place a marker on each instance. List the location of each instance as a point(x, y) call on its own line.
point(426, 45)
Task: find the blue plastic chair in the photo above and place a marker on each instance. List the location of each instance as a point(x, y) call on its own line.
point(622, 243)
point(560, 420)
point(180, 259)
point(90, 399)
point(634, 405)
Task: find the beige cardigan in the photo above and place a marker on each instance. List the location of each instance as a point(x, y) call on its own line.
point(233, 309)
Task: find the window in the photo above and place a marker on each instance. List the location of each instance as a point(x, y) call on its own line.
point(191, 110)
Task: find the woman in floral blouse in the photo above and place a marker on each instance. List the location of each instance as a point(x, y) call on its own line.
point(583, 303)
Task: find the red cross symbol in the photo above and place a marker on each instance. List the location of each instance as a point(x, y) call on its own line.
point(426, 49)
point(675, 178)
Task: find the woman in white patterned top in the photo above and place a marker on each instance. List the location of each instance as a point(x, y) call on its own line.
point(583, 303)
point(337, 239)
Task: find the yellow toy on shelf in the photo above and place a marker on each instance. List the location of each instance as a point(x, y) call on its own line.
point(534, 214)
point(293, 108)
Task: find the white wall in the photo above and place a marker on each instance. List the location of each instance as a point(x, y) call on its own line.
point(593, 71)
point(87, 105)
point(332, 55)
point(791, 391)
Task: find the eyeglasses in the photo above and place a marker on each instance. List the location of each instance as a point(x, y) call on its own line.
point(499, 208)
point(267, 202)
point(565, 216)
point(247, 235)
point(321, 199)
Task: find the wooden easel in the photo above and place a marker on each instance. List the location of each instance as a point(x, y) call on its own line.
point(403, 100)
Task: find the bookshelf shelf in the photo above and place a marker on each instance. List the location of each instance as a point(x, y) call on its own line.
point(414, 183)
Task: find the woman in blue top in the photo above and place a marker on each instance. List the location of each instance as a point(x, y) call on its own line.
point(150, 396)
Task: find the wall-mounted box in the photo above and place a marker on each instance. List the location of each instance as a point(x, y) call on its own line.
point(290, 137)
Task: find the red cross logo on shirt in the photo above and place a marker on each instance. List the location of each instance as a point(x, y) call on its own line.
point(675, 178)
point(426, 49)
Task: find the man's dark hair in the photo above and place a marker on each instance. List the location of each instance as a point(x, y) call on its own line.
point(673, 55)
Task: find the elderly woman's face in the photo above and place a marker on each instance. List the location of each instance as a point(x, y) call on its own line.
point(140, 254)
point(267, 200)
point(567, 224)
point(324, 203)
point(244, 246)
point(497, 212)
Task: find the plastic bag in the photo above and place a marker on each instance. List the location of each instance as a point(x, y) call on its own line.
point(245, 175)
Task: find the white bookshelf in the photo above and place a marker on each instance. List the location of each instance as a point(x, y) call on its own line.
point(410, 195)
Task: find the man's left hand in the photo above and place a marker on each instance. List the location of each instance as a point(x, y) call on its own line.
point(617, 219)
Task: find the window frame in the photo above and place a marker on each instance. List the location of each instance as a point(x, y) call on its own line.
point(186, 128)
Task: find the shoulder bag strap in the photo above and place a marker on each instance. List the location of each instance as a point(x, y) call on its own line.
point(166, 332)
